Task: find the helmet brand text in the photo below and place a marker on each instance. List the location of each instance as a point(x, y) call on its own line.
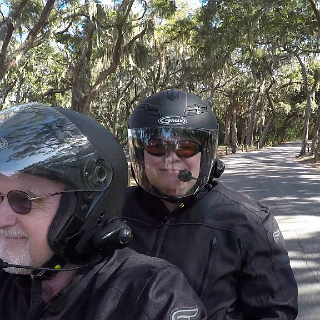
point(173, 120)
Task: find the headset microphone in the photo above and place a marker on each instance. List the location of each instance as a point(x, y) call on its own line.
point(216, 172)
point(186, 176)
point(4, 265)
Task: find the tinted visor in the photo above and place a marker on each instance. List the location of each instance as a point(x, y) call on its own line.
point(151, 149)
point(38, 140)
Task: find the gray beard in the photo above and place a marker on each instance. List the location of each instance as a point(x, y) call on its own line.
point(22, 258)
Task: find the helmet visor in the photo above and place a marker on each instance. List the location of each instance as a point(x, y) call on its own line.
point(40, 141)
point(172, 162)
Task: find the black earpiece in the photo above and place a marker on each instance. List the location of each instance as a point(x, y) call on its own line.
point(115, 235)
point(217, 169)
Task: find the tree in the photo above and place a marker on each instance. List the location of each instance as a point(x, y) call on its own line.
point(13, 22)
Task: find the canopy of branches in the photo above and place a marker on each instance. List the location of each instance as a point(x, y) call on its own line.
point(255, 62)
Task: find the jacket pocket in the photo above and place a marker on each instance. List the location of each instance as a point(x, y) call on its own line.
point(207, 270)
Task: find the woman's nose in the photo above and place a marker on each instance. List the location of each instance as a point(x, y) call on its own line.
point(171, 157)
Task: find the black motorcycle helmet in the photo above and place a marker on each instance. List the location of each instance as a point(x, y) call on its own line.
point(173, 115)
point(66, 146)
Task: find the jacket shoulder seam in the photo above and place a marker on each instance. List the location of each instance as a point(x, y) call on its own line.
point(252, 210)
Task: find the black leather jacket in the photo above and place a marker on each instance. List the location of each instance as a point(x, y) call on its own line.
point(129, 286)
point(229, 247)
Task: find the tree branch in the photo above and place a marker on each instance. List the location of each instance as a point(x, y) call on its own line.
point(53, 91)
point(129, 45)
point(30, 37)
point(316, 11)
point(16, 14)
point(115, 61)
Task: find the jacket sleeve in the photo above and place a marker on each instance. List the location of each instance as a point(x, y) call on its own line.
point(267, 284)
point(168, 296)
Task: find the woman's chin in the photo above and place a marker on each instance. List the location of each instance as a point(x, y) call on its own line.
point(174, 193)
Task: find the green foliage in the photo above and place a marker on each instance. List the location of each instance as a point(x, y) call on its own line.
point(166, 8)
point(141, 55)
point(222, 52)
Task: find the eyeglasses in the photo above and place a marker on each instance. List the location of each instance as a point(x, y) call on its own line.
point(21, 202)
point(182, 148)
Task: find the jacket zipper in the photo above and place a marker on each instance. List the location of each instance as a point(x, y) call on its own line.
point(160, 238)
point(207, 270)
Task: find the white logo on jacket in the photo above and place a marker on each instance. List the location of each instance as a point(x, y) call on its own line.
point(185, 314)
point(277, 235)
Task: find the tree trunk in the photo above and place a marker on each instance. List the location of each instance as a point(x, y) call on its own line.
point(82, 104)
point(317, 156)
point(234, 130)
point(270, 103)
point(115, 116)
point(243, 134)
point(264, 132)
point(228, 124)
point(253, 114)
point(309, 92)
point(315, 133)
point(316, 11)
point(306, 125)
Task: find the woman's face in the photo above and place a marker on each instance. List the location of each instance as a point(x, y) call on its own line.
point(163, 171)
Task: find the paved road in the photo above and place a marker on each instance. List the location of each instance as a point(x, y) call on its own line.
point(272, 176)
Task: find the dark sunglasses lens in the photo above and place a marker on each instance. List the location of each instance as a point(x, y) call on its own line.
point(19, 201)
point(156, 148)
point(187, 149)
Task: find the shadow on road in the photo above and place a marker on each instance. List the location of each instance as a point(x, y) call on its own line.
point(292, 190)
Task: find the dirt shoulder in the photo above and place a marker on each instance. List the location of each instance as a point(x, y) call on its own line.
point(226, 150)
point(308, 160)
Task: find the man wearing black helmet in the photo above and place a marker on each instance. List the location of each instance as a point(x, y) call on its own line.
point(62, 182)
point(223, 241)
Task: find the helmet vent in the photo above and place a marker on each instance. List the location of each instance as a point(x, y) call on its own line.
point(173, 94)
point(195, 110)
point(149, 109)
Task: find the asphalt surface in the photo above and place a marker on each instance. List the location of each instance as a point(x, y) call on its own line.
point(272, 176)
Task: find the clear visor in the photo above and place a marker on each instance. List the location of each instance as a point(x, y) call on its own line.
point(41, 142)
point(172, 162)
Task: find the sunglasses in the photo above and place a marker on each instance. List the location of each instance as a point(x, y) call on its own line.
point(21, 202)
point(182, 148)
